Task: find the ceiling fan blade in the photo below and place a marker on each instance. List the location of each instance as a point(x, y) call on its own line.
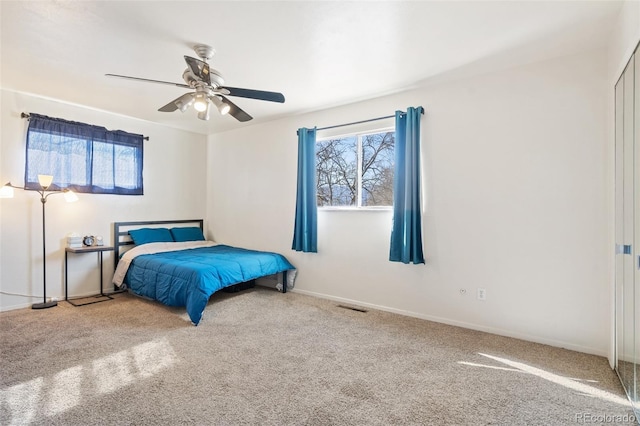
point(199, 68)
point(149, 80)
point(255, 94)
point(181, 103)
point(236, 112)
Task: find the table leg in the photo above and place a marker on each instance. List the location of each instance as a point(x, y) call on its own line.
point(101, 287)
point(100, 294)
point(66, 280)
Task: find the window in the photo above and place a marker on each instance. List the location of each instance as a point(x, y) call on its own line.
point(82, 157)
point(356, 170)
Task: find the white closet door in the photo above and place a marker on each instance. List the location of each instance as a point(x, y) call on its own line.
point(627, 233)
point(621, 358)
point(632, 131)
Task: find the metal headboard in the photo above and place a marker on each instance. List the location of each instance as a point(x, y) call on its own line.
point(121, 238)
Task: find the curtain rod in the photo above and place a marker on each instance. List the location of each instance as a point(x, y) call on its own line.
point(362, 121)
point(356, 122)
point(25, 115)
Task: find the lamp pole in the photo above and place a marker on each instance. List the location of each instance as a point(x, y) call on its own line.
point(44, 304)
point(45, 182)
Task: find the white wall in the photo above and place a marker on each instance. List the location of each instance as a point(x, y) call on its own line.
point(515, 203)
point(174, 187)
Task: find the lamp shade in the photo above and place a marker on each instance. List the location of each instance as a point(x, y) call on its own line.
point(70, 196)
point(45, 180)
point(201, 102)
point(223, 107)
point(185, 102)
point(6, 191)
point(204, 115)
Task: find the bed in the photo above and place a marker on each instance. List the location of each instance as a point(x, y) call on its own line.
point(171, 262)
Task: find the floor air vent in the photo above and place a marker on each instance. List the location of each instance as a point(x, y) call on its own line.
point(352, 308)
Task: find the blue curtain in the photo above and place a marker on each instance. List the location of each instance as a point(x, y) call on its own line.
point(305, 234)
point(83, 157)
point(406, 233)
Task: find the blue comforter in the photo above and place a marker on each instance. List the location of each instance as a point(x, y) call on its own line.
point(189, 277)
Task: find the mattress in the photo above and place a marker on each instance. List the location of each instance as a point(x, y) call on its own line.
point(188, 277)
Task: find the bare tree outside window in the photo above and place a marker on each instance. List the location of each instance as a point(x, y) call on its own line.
point(339, 161)
point(336, 168)
point(377, 169)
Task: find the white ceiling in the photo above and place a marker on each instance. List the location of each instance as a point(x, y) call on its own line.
point(318, 54)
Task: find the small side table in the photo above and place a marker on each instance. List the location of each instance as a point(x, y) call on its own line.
point(91, 249)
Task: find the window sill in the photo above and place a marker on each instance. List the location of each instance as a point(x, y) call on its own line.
point(355, 209)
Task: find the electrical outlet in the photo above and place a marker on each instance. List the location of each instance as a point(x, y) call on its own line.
point(482, 293)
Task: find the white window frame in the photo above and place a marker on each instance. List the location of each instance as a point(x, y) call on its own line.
point(359, 135)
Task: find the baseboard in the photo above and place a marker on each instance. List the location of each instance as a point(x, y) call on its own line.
point(59, 299)
point(24, 305)
point(471, 326)
point(14, 307)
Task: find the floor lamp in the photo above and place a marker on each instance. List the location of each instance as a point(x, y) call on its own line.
point(45, 192)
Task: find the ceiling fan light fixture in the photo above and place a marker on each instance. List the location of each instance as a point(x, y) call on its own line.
point(201, 104)
point(222, 106)
point(183, 106)
point(204, 115)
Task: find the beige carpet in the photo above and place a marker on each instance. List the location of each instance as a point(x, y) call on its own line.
point(260, 357)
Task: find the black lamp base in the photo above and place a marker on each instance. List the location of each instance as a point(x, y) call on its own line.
point(44, 305)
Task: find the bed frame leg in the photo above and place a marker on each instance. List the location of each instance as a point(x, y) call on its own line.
point(284, 281)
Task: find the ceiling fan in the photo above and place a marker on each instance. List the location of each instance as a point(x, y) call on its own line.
point(209, 89)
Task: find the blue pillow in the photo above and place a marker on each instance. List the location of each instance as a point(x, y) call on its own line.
point(151, 235)
point(187, 234)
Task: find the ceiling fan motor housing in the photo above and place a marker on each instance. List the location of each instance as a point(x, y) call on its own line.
point(192, 80)
point(216, 78)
